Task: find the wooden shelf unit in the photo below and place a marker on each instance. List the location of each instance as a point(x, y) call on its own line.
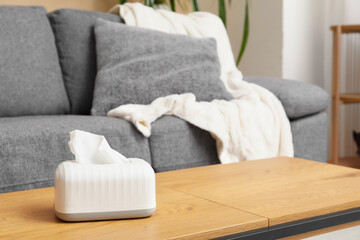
point(349, 98)
point(352, 161)
point(337, 97)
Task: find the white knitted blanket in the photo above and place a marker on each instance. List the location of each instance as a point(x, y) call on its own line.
point(252, 126)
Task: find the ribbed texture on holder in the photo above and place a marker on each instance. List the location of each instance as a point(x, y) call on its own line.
point(84, 188)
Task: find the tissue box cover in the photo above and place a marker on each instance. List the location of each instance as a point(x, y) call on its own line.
point(104, 191)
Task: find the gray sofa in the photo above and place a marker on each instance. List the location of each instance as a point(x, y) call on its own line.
point(47, 74)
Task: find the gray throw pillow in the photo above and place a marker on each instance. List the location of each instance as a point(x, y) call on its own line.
point(137, 65)
point(30, 76)
point(75, 41)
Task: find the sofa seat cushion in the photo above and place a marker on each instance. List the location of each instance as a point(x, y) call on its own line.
point(30, 75)
point(299, 99)
point(176, 144)
point(75, 40)
point(32, 147)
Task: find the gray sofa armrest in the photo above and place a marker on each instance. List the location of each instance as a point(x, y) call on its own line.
point(298, 98)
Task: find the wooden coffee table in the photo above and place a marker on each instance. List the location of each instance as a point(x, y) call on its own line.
point(263, 199)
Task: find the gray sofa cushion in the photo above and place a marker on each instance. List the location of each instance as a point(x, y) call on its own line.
point(30, 75)
point(137, 65)
point(32, 147)
point(298, 98)
point(310, 137)
point(75, 40)
point(176, 144)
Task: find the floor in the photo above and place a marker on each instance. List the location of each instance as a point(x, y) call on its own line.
point(352, 233)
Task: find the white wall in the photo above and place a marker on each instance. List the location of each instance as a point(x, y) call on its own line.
point(351, 12)
point(288, 38)
point(263, 54)
point(303, 40)
point(334, 15)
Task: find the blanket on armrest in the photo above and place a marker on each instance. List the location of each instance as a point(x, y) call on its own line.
point(252, 126)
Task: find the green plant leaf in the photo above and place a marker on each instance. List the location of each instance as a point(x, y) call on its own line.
point(195, 5)
point(222, 11)
point(122, 1)
point(172, 4)
point(149, 3)
point(245, 33)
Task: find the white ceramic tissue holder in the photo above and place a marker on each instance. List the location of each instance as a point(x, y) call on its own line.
point(101, 183)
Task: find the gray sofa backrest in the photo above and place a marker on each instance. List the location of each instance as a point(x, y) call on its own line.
point(31, 82)
point(75, 41)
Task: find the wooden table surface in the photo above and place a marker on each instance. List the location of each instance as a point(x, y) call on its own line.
point(200, 203)
point(30, 215)
point(280, 189)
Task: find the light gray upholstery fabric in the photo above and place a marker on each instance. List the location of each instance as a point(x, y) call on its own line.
point(298, 98)
point(75, 40)
point(310, 136)
point(30, 76)
point(32, 147)
point(176, 144)
point(137, 65)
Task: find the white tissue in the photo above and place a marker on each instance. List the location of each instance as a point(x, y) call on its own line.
point(93, 149)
